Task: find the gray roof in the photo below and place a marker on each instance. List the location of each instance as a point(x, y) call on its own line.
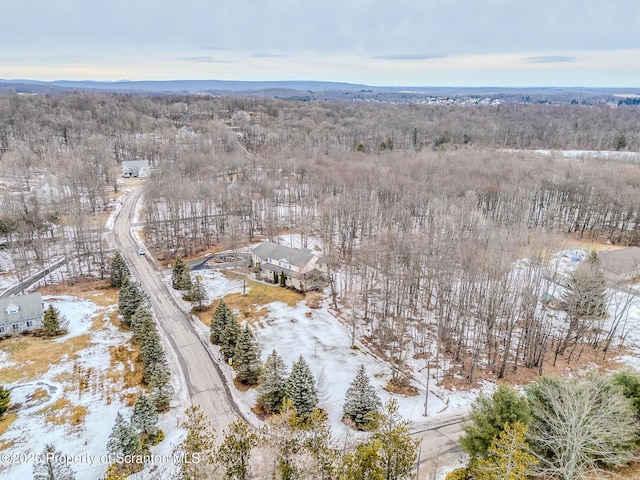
point(621, 261)
point(30, 307)
point(295, 256)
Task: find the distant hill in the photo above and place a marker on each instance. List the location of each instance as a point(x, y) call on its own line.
point(305, 90)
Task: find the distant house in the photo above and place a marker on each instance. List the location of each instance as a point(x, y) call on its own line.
point(303, 270)
point(20, 314)
point(620, 265)
point(135, 168)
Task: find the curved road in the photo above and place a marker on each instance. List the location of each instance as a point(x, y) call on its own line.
point(206, 385)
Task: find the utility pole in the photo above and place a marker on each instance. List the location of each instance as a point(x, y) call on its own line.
point(426, 395)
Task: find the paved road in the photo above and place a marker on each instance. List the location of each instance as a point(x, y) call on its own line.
point(206, 385)
point(439, 447)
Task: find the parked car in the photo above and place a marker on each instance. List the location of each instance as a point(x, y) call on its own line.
point(141, 251)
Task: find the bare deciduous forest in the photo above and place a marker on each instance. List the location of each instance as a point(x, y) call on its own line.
point(436, 221)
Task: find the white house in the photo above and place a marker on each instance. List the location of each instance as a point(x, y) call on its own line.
point(20, 314)
point(135, 168)
point(302, 269)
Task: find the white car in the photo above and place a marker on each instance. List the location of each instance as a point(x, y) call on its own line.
point(141, 251)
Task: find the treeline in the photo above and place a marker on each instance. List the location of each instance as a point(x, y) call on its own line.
point(421, 234)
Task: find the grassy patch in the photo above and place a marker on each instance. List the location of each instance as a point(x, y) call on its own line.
point(126, 367)
point(4, 445)
point(62, 412)
point(33, 356)
point(39, 394)
point(252, 306)
point(404, 389)
point(6, 421)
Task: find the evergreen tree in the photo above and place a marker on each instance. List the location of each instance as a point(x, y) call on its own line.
point(508, 457)
point(488, 416)
point(275, 278)
point(124, 440)
point(286, 437)
point(272, 384)
point(5, 398)
point(151, 353)
point(219, 321)
point(586, 294)
point(130, 298)
point(160, 388)
point(235, 451)
point(283, 279)
point(180, 278)
point(198, 294)
point(397, 451)
point(363, 464)
point(301, 388)
point(51, 323)
point(50, 468)
point(318, 442)
point(142, 323)
point(361, 399)
point(197, 450)
point(119, 270)
point(629, 381)
point(145, 415)
point(246, 359)
point(229, 337)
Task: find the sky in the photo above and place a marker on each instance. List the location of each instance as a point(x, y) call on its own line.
point(589, 43)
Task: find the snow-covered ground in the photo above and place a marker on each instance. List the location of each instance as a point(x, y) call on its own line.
point(103, 396)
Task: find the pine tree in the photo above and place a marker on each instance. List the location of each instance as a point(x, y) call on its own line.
point(119, 270)
point(124, 440)
point(318, 442)
point(488, 416)
point(275, 278)
point(145, 415)
point(229, 337)
point(398, 451)
point(235, 451)
point(151, 353)
point(361, 399)
point(50, 468)
point(301, 388)
point(197, 450)
point(272, 384)
point(246, 359)
point(130, 298)
point(180, 278)
point(142, 323)
point(364, 463)
point(508, 457)
point(198, 294)
point(5, 399)
point(219, 320)
point(283, 279)
point(586, 294)
point(286, 436)
point(160, 388)
point(51, 323)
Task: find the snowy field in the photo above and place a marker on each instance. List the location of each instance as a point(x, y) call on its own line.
point(74, 403)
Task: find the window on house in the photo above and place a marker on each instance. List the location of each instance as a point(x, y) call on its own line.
point(15, 327)
point(2, 330)
point(29, 323)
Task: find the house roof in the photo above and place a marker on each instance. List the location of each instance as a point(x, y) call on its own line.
point(29, 307)
point(619, 262)
point(295, 256)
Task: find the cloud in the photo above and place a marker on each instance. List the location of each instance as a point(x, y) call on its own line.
point(204, 59)
point(408, 56)
point(267, 55)
point(551, 59)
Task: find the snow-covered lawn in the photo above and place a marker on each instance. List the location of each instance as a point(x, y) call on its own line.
point(325, 343)
point(74, 403)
